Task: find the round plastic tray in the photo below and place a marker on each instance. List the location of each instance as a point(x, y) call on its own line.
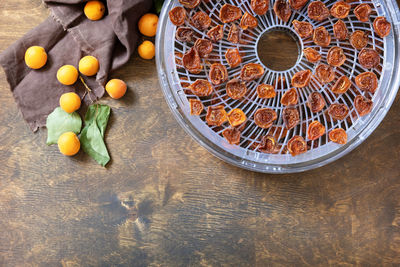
point(321, 151)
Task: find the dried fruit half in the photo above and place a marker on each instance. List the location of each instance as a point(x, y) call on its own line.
point(265, 117)
point(216, 115)
point(191, 61)
point(316, 102)
point(229, 13)
point(236, 89)
point(233, 57)
point(184, 34)
point(368, 58)
point(321, 36)
point(336, 56)
point(338, 136)
point(291, 117)
point(290, 97)
point(363, 105)
point(362, 12)
point(297, 145)
point(340, 9)
point(204, 47)
point(196, 107)
point(268, 145)
point(266, 91)
point(317, 11)
point(367, 81)
point(382, 26)
point(177, 15)
point(340, 30)
point(251, 71)
point(297, 4)
point(236, 117)
point(324, 73)
point(260, 7)
point(218, 73)
point(190, 3)
point(338, 111)
point(282, 10)
point(234, 34)
point(200, 21)
point(304, 29)
point(312, 55)
point(232, 135)
point(248, 21)
point(341, 86)
point(216, 33)
point(301, 79)
point(315, 130)
point(359, 39)
point(201, 87)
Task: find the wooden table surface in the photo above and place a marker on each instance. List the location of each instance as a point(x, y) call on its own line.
point(165, 201)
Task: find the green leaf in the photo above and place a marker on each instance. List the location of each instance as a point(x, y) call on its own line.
point(92, 136)
point(158, 4)
point(59, 122)
point(99, 112)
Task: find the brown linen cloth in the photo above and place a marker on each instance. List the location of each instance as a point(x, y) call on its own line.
point(67, 35)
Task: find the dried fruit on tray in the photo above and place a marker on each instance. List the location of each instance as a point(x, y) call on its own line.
point(234, 34)
point(367, 81)
point(232, 135)
point(282, 10)
point(290, 97)
point(301, 79)
point(236, 89)
point(229, 13)
point(216, 115)
point(338, 111)
point(190, 3)
point(233, 57)
point(362, 12)
point(317, 11)
point(297, 4)
point(218, 73)
point(303, 28)
point(177, 15)
point(260, 7)
point(315, 102)
point(268, 145)
point(196, 107)
point(251, 71)
point(216, 33)
point(201, 87)
point(382, 26)
point(363, 105)
point(204, 47)
point(359, 39)
point(266, 91)
point(336, 56)
point(338, 136)
point(248, 21)
point(297, 145)
point(340, 30)
point(265, 117)
point(312, 55)
point(200, 21)
point(368, 58)
point(291, 117)
point(324, 73)
point(184, 34)
point(315, 130)
point(340, 9)
point(236, 117)
point(191, 61)
point(321, 36)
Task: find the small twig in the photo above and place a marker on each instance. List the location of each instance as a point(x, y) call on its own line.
point(87, 88)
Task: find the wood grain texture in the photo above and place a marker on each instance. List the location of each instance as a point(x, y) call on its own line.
point(166, 201)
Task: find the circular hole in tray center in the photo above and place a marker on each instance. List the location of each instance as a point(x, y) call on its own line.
point(278, 49)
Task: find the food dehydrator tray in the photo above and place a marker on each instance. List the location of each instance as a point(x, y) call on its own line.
point(322, 150)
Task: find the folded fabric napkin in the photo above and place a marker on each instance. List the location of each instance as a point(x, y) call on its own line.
point(67, 35)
